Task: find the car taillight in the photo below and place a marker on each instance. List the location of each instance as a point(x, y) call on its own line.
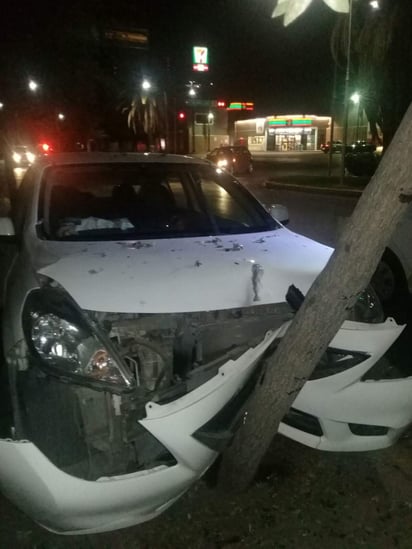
point(45, 148)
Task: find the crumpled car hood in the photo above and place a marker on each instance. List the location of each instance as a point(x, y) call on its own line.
point(185, 274)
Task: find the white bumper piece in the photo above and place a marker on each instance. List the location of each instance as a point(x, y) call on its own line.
point(67, 504)
point(343, 399)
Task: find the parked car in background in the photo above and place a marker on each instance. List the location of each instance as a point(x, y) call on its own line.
point(235, 159)
point(145, 294)
point(361, 158)
point(336, 147)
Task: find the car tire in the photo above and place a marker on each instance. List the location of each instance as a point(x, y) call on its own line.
point(390, 284)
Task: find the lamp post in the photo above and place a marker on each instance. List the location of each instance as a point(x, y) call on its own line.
point(346, 96)
point(355, 98)
point(146, 86)
point(210, 118)
point(192, 93)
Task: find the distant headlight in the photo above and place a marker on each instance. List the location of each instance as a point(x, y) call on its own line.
point(222, 163)
point(367, 308)
point(16, 158)
point(30, 157)
point(67, 346)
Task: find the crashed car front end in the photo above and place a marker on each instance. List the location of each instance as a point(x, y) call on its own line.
point(356, 399)
point(126, 409)
point(134, 336)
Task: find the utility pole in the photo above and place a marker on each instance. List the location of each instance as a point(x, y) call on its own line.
point(346, 97)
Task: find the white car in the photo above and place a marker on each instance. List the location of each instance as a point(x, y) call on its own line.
point(143, 295)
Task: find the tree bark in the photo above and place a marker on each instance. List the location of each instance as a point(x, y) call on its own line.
point(324, 309)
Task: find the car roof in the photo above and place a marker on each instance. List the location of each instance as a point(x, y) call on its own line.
point(61, 159)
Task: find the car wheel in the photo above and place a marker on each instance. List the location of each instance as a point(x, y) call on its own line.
point(389, 282)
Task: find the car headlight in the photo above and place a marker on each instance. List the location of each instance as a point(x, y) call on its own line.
point(30, 157)
point(367, 308)
point(16, 158)
point(222, 163)
point(68, 346)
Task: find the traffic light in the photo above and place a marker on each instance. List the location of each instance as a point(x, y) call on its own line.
point(181, 116)
point(221, 104)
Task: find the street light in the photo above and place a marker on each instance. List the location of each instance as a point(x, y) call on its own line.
point(33, 85)
point(374, 4)
point(146, 85)
point(61, 116)
point(355, 98)
point(1, 105)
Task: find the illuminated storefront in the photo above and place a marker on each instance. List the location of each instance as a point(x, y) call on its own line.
point(283, 133)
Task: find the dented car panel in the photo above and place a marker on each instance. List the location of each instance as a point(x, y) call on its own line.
point(223, 267)
point(354, 413)
point(65, 503)
point(143, 302)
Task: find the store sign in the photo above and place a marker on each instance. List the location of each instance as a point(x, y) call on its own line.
point(289, 130)
point(241, 106)
point(200, 59)
point(290, 122)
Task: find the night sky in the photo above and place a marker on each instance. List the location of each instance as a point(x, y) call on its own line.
point(252, 56)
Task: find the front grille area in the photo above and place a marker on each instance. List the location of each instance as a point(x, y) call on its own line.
point(303, 421)
point(368, 430)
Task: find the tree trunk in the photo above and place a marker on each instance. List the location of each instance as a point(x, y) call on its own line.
point(324, 309)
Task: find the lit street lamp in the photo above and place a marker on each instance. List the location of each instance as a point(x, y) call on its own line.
point(33, 86)
point(146, 85)
point(1, 105)
point(210, 118)
point(355, 98)
point(61, 116)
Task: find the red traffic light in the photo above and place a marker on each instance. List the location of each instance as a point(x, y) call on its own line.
point(181, 115)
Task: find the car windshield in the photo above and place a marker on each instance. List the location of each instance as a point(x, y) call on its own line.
point(146, 200)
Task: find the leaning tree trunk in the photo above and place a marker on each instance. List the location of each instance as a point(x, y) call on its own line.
point(325, 307)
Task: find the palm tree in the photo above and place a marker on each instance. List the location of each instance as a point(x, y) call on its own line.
point(146, 117)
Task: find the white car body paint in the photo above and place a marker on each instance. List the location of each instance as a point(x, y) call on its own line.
point(66, 504)
point(344, 398)
point(180, 276)
point(186, 274)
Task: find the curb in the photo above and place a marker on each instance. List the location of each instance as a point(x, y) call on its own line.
point(344, 191)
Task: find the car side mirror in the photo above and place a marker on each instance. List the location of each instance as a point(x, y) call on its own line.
point(279, 213)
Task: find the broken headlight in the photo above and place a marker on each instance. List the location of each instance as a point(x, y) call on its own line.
point(367, 308)
point(68, 346)
point(335, 361)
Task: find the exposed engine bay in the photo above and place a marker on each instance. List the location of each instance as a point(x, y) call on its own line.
point(92, 431)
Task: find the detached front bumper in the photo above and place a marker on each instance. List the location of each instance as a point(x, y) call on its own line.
point(343, 412)
point(67, 504)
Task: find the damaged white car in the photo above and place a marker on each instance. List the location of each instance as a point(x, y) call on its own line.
point(143, 296)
